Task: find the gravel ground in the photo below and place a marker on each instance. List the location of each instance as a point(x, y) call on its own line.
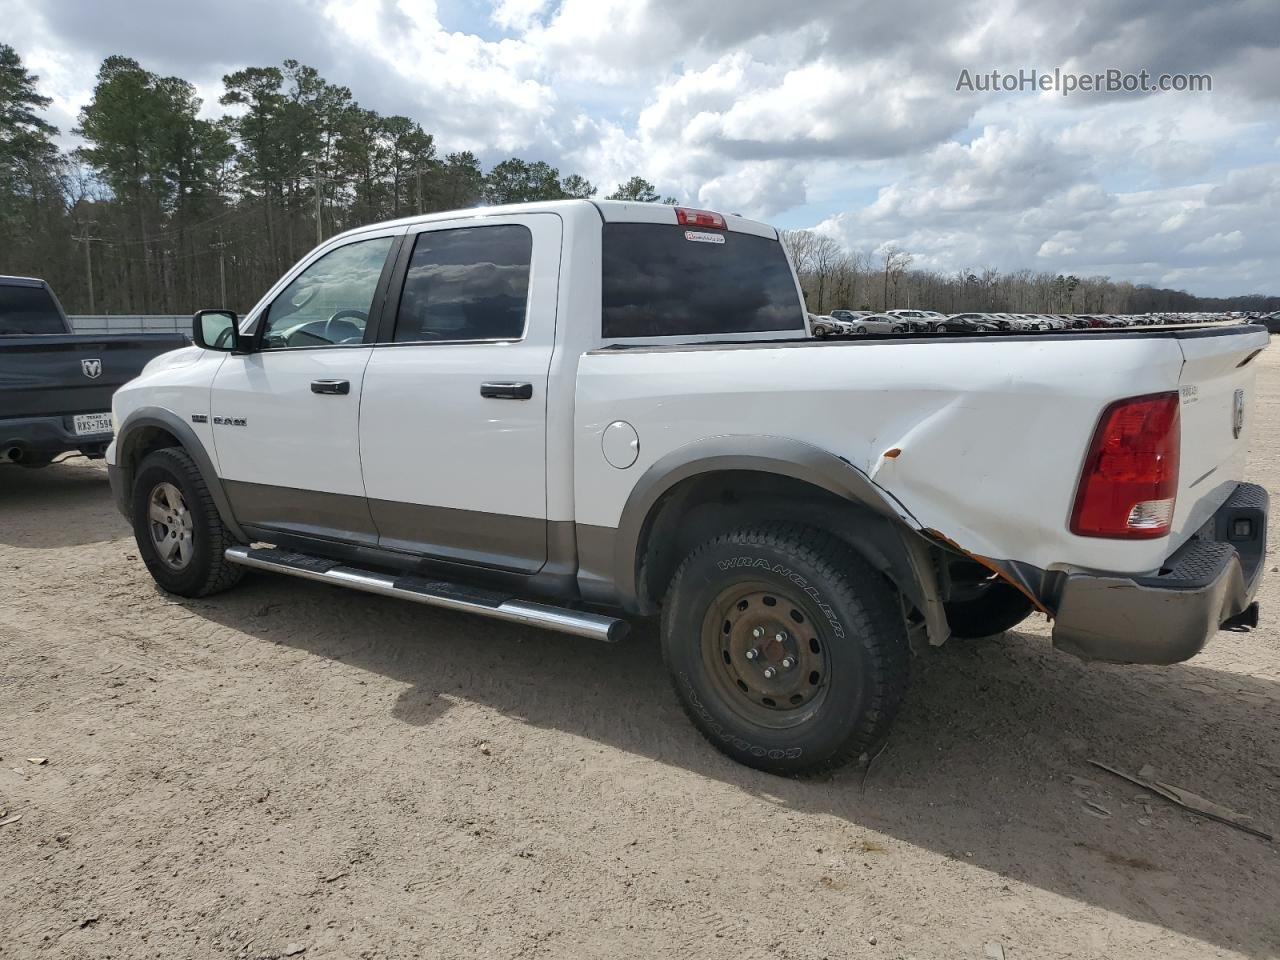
point(293, 770)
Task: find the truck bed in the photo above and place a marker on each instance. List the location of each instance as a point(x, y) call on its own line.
point(980, 438)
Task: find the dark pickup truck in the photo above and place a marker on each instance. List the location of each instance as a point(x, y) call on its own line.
point(56, 386)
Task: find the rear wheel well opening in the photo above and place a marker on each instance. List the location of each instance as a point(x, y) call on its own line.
point(709, 504)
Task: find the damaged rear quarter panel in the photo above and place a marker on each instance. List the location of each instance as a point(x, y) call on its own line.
point(990, 433)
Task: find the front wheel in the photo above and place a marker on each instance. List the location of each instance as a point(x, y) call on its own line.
point(786, 649)
point(176, 524)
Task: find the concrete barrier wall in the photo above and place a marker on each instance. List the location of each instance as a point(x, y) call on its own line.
point(125, 323)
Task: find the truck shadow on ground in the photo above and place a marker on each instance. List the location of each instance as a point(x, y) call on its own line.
point(980, 768)
point(37, 506)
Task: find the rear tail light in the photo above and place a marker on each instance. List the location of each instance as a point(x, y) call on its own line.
point(699, 218)
point(1130, 479)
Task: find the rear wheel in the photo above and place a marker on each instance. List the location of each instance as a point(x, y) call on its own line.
point(786, 650)
point(176, 524)
point(999, 607)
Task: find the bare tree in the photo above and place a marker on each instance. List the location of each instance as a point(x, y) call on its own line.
point(896, 262)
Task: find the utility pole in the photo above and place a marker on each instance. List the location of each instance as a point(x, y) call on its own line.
point(88, 260)
point(319, 222)
point(418, 193)
point(222, 269)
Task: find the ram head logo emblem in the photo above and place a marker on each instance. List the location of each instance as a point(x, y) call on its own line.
point(91, 368)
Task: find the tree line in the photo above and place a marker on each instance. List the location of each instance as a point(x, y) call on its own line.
point(161, 211)
point(834, 278)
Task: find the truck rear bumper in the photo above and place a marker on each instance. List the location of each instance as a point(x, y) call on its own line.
point(1168, 617)
point(43, 437)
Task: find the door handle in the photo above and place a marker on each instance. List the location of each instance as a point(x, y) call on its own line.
point(337, 387)
point(507, 391)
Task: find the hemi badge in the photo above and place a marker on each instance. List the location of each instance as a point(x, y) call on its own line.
point(199, 418)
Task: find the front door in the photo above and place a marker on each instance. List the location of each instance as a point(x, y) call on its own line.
point(453, 423)
point(285, 417)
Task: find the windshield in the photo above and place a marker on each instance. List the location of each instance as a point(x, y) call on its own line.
point(661, 280)
point(28, 310)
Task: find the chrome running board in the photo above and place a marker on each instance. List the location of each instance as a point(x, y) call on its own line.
point(434, 593)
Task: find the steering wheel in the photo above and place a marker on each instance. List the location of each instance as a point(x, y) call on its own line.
point(334, 332)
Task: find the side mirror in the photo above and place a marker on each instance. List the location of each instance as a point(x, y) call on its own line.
point(216, 330)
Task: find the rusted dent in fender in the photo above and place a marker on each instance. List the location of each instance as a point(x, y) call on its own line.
point(1008, 574)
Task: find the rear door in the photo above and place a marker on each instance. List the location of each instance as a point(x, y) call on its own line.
point(285, 417)
point(454, 416)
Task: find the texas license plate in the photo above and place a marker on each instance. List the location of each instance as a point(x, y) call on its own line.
point(91, 423)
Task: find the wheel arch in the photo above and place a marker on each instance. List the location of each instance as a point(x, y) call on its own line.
point(152, 428)
point(697, 490)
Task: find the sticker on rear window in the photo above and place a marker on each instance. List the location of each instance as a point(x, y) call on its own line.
point(698, 237)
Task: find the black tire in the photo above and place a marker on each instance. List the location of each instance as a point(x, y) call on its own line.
point(836, 615)
point(998, 608)
point(207, 570)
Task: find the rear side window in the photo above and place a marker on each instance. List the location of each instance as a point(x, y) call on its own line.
point(658, 282)
point(28, 310)
point(466, 284)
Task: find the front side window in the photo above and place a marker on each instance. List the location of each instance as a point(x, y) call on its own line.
point(661, 280)
point(471, 283)
point(329, 302)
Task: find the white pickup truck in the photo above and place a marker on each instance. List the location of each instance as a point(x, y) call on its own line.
point(570, 414)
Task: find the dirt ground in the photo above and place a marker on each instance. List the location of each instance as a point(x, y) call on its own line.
point(289, 769)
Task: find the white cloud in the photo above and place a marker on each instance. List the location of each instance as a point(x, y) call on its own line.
point(1218, 243)
point(517, 15)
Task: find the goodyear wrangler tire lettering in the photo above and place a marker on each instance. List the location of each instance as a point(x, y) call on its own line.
point(758, 562)
point(773, 754)
point(787, 651)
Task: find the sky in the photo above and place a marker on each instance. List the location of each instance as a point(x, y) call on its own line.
point(837, 115)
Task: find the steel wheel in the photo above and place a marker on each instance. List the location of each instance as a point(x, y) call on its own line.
point(171, 526)
point(766, 655)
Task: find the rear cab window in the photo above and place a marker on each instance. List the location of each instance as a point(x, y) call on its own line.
point(669, 280)
point(28, 310)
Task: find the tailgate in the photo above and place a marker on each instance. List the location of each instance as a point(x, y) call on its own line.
point(1217, 386)
point(62, 375)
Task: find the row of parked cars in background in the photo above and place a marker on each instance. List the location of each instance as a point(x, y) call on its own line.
point(844, 323)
